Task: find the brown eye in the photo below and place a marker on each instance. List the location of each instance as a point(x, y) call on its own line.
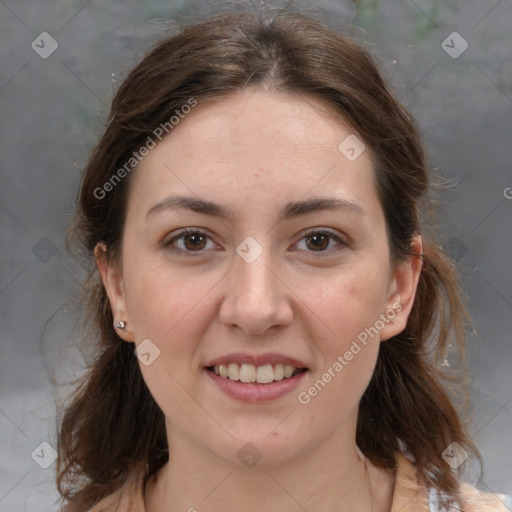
point(192, 241)
point(319, 242)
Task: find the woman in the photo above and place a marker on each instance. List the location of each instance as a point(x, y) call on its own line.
point(269, 310)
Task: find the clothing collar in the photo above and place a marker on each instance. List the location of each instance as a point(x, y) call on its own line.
point(408, 495)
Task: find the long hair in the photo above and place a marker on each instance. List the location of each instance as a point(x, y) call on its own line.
point(106, 433)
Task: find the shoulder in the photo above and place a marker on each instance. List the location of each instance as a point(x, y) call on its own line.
point(411, 495)
point(476, 500)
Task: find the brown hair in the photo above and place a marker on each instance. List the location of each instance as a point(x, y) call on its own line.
point(112, 426)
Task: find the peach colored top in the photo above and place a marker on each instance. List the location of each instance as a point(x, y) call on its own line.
point(408, 495)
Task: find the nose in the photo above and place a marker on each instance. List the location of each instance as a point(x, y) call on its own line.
point(257, 299)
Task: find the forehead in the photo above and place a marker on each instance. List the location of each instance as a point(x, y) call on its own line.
point(254, 146)
point(272, 124)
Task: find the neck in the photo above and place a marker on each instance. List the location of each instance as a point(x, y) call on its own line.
point(327, 478)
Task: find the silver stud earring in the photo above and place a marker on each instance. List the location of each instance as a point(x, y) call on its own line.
point(120, 325)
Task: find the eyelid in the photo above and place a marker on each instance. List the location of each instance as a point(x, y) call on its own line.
point(178, 235)
point(341, 239)
point(329, 231)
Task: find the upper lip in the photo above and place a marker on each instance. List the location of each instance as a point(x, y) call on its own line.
point(256, 359)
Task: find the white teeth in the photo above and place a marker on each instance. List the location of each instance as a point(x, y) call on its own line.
point(234, 371)
point(288, 370)
point(279, 371)
point(265, 374)
point(249, 373)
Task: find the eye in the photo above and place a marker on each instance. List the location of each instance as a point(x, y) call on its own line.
point(192, 240)
point(320, 240)
point(195, 241)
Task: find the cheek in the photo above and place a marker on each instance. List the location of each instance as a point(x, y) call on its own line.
point(347, 361)
point(159, 298)
point(169, 311)
point(348, 303)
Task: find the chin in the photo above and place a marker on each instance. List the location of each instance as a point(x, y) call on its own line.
point(262, 448)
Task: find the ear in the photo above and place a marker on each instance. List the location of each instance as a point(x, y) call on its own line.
point(402, 292)
point(111, 276)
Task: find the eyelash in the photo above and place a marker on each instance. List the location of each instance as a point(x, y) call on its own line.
point(341, 241)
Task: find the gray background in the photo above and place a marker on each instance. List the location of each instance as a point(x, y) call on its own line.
point(51, 111)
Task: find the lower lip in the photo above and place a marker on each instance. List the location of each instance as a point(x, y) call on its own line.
point(254, 392)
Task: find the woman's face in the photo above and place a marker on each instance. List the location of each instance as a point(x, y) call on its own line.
point(313, 288)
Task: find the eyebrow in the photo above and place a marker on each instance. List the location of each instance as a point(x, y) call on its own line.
point(290, 210)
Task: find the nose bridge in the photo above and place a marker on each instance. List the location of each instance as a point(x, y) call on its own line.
point(253, 280)
point(255, 298)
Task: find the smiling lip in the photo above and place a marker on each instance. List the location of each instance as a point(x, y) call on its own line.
point(256, 360)
point(254, 392)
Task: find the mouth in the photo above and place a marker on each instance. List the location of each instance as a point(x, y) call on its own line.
point(249, 373)
point(256, 378)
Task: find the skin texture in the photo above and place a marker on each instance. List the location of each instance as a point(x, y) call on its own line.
point(254, 151)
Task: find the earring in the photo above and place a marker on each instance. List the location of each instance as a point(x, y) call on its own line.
point(120, 325)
